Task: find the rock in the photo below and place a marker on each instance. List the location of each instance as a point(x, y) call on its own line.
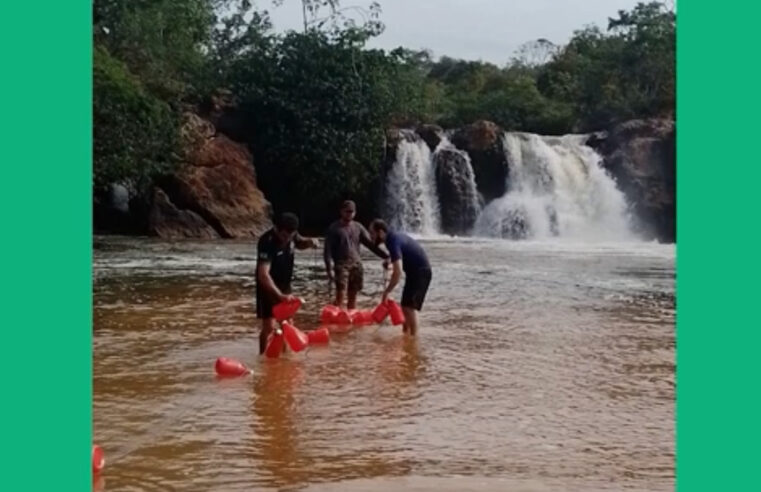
point(458, 198)
point(641, 157)
point(222, 110)
point(115, 212)
point(169, 222)
point(482, 140)
point(431, 135)
point(119, 198)
point(392, 139)
point(218, 185)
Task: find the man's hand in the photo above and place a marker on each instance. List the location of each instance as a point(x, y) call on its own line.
point(384, 297)
point(287, 298)
point(315, 243)
point(387, 263)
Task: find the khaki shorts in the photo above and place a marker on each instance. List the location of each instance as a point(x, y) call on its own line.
point(349, 277)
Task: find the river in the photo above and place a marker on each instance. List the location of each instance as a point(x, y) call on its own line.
point(539, 366)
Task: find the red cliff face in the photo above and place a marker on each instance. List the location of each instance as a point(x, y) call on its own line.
point(216, 187)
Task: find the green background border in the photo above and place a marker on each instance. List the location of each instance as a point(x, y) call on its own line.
point(718, 178)
point(45, 353)
point(45, 205)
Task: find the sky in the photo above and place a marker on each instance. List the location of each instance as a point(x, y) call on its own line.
point(488, 30)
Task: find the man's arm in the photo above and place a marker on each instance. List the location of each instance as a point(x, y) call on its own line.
point(395, 277)
point(265, 280)
point(302, 242)
point(364, 238)
point(326, 254)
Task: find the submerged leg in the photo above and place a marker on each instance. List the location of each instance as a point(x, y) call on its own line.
point(410, 320)
point(268, 324)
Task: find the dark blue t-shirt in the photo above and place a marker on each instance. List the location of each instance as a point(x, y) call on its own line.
point(402, 246)
point(279, 257)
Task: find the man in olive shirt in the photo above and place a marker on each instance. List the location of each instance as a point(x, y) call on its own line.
point(342, 257)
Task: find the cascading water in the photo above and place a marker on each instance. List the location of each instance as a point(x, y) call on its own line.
point(429, 193)
point(411, 202)
point(556, 187)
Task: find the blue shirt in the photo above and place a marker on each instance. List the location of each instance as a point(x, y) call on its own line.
point(402, 246)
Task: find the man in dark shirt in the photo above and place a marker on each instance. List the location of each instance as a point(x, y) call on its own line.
point(342, 257)
point(406, 254)
point(274, 269)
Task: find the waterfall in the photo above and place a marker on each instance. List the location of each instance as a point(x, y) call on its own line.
point(556, 187)
point(411, 202)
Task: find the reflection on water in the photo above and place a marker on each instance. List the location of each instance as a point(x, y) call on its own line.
point(539, 366)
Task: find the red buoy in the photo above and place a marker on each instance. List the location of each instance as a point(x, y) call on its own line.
point(98, 459)
point(295, 338)
point(329, 314)
point(231, 367)
point(275, 344)
point(286, 310)
point(321, 335)
point(396, 313)
point(363, 317)
point(380, 313)
point(343, 318)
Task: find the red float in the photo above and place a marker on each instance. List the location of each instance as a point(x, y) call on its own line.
point(286, 310)
point(329, 314)
point(98, 459)
point(275, 344)
point(318, 336)
point(396, 313)
point(380, 313)
point(343, 318)
point(295, 338)
point(362, 317)
point(230, 367)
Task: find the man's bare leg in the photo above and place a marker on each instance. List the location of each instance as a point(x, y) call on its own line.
point(410, 320)
point(340, 295)
point(268, 324)
point(352, 302)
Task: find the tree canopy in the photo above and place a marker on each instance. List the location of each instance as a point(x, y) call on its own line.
point(317, 101)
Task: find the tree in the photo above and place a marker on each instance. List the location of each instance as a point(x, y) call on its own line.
point(319, 106)
point(135, 135)
point(626, 72)
point(160, 41)
point(535, 53)
point(339, 18)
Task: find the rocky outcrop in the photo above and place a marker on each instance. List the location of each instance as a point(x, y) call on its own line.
point(217, 185)
point(482, 141)
point(169, 222)
point(224, 113)
point(458, 198)
point(641, 157)
point(431, 135)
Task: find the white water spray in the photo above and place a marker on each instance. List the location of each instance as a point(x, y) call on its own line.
point(556, 187)
point(411, 202)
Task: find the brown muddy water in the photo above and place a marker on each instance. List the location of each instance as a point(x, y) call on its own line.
point(539, 366)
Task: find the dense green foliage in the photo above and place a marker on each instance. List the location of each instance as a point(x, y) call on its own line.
point(134, 133)
point(318, 106)
point(597, 79)
point(316, 103)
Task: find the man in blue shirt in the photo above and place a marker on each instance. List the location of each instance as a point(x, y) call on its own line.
point(405, 254)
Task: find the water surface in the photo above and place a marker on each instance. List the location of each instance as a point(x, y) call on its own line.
point(539, 366)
